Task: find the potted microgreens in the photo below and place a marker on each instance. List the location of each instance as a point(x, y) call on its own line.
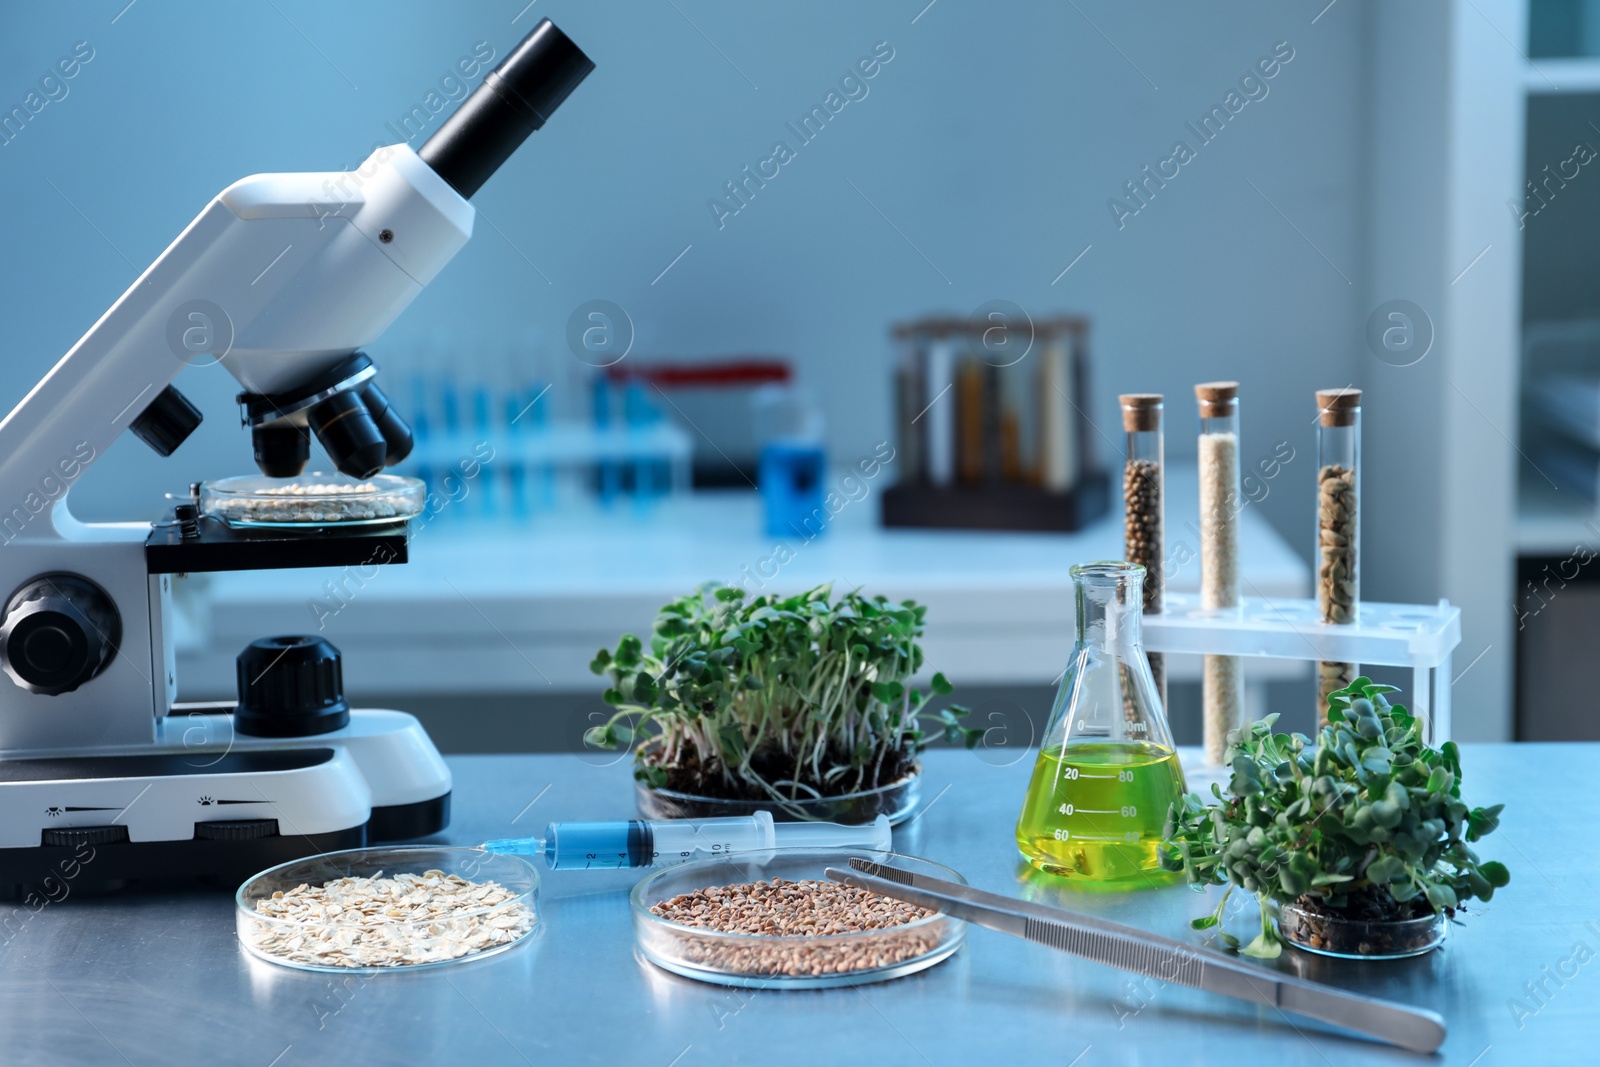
point(1359, 843)
point(799, 705)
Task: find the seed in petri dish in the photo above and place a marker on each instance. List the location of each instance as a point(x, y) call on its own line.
point(800, 917)
point(401, 921)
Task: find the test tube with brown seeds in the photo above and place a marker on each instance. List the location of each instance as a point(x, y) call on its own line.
point(1338, 526)
point(1144, 502)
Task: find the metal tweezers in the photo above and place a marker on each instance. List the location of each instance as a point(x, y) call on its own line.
point(1152, 955)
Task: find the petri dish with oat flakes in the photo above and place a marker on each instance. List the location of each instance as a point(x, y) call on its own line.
point(785, 960)
point(372, 910)
point(314, 499)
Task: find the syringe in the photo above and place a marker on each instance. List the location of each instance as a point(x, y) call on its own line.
point(663, 842)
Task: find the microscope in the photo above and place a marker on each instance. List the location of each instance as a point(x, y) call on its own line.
point(284, 279)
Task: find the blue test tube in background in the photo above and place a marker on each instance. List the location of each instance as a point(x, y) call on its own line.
point(449, 406)
point(539, 413)
point(421, 427)
point(516, 470)
point(608, 475)
point(483, 430)
point(793, 461)
point(639, 416)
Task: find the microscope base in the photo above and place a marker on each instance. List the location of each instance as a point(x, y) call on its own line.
point(204, 801)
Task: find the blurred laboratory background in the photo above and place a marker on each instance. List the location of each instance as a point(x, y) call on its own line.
point(848, 292)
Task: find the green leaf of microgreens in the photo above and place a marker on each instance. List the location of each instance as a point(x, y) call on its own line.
point(1364, 804)
point(816, 686)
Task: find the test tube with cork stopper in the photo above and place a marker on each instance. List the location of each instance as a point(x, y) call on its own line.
point(1144, 501)
point(1338, 526)
point(1222, 681)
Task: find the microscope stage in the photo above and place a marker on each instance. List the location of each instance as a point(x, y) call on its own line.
point(216, 546)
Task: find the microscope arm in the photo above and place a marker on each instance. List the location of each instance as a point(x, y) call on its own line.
point(281, 277)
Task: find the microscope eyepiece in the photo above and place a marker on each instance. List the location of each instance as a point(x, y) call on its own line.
point(349, 435)
point(516, 98)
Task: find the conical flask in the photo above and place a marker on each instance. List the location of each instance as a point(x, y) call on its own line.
point(1107, 771)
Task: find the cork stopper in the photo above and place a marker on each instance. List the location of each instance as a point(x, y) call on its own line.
point(1141, 411)
point(1217, 399)
point(1338, 407)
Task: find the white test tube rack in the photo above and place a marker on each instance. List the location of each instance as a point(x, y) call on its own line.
point(1387, 635)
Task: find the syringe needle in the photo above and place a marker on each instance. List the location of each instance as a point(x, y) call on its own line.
point(515, 846)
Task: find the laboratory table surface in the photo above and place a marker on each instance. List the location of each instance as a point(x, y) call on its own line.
point(156, 977)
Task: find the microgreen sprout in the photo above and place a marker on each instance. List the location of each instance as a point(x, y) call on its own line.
point(1366, 818)
point(775, 698)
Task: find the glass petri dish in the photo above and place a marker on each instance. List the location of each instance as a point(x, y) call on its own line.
point(1355, 939)
point(764, 961)
point(384, 941)
point(314, 499)
point(898, 800)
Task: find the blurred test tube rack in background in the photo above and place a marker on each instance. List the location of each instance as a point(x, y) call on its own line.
point(989, 419)
point(520, 439)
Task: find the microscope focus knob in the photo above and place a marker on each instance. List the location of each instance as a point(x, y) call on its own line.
point(290, 687)
point(58, 631)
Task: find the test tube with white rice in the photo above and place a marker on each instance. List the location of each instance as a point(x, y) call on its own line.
point(1222, 681)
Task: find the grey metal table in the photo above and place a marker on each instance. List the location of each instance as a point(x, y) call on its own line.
point(158, 977)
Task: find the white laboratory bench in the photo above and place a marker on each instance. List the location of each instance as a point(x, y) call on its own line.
point(489, 605)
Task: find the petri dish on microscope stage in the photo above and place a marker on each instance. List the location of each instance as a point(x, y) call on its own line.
point(315, 499)
point(395, 908)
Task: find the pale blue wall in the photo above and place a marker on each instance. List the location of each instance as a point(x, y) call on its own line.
point(992, 140)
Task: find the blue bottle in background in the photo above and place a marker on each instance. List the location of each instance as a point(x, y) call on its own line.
point(791, 474)
point(793, 461)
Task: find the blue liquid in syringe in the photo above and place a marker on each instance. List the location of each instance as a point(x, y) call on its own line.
point(586, 845)
point(635, 842)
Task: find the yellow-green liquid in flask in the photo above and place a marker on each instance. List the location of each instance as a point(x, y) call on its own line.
point(1096, 810)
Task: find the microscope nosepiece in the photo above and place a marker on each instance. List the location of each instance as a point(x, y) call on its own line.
point(349, 435)
point(351, 417)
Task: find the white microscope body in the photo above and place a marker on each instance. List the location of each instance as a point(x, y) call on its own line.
point(282, 279)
